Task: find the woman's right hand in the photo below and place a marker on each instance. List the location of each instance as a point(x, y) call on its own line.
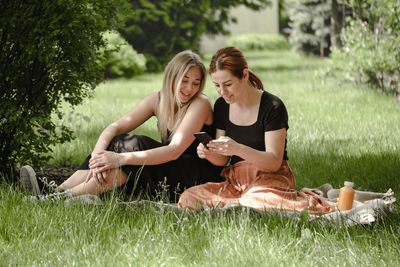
point(89, 176)
point(99, 176)
point(203, 151)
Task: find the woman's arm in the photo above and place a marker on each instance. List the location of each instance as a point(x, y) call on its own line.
point(270, 159)
point(130, 121)
point(197, 114)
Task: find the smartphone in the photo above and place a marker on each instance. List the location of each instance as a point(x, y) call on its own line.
point(203, 137)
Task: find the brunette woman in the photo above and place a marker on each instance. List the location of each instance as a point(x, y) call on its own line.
point(251, 126)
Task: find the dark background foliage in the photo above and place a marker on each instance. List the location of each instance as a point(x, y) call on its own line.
point(160, 29)
point(316, 24)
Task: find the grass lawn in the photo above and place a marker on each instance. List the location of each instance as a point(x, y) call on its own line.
point(338, 132)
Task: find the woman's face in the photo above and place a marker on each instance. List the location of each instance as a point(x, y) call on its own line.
point(227, 85)
point(190, 84)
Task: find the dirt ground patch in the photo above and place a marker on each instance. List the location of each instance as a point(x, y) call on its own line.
point(55, 173)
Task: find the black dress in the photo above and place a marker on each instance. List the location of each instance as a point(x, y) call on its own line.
point(186, 171)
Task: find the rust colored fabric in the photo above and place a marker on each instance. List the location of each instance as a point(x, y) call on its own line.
point(251, 186)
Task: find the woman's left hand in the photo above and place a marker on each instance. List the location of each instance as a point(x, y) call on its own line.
point(103, 161)
point(224, 146)
point(100, 177)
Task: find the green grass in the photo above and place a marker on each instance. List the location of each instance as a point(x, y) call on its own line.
point(57, 235)
point(337, 132)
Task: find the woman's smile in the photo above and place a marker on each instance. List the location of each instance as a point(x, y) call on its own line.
point(226, 84)
point(190, 84)
point(184, 97)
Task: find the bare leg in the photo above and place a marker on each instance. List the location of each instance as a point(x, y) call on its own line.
point(75, 179)
point(115, 179)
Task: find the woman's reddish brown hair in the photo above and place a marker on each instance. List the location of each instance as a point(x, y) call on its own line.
point(230, 58)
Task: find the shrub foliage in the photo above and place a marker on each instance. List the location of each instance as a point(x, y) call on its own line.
point(49, 53)
point(371, 52)
point(256, 41)
point(122, 60)
point(160, 29)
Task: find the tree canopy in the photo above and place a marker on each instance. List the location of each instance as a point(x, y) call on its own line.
point(160, 29)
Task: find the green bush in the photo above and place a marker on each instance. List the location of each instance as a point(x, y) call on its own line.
point(371, 51)
point(256, 41)
point(49, 53)
point(123, 61)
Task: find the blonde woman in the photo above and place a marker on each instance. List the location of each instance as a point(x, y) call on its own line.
point(140, 162)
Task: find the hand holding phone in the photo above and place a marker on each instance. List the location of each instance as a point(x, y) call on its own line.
point(203, 137)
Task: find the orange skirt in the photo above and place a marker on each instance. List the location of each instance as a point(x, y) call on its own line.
point(251, 186)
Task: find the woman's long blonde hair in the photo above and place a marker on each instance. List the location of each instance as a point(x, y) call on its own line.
point(170, 106)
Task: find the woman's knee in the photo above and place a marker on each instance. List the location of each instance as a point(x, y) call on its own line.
point(185, 199)
point(132, 142)
point(115, 178)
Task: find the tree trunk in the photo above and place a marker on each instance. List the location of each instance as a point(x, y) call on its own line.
point(398, 93)
point(336, 24)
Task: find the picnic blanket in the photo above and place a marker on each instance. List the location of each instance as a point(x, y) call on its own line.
point(367, 206)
